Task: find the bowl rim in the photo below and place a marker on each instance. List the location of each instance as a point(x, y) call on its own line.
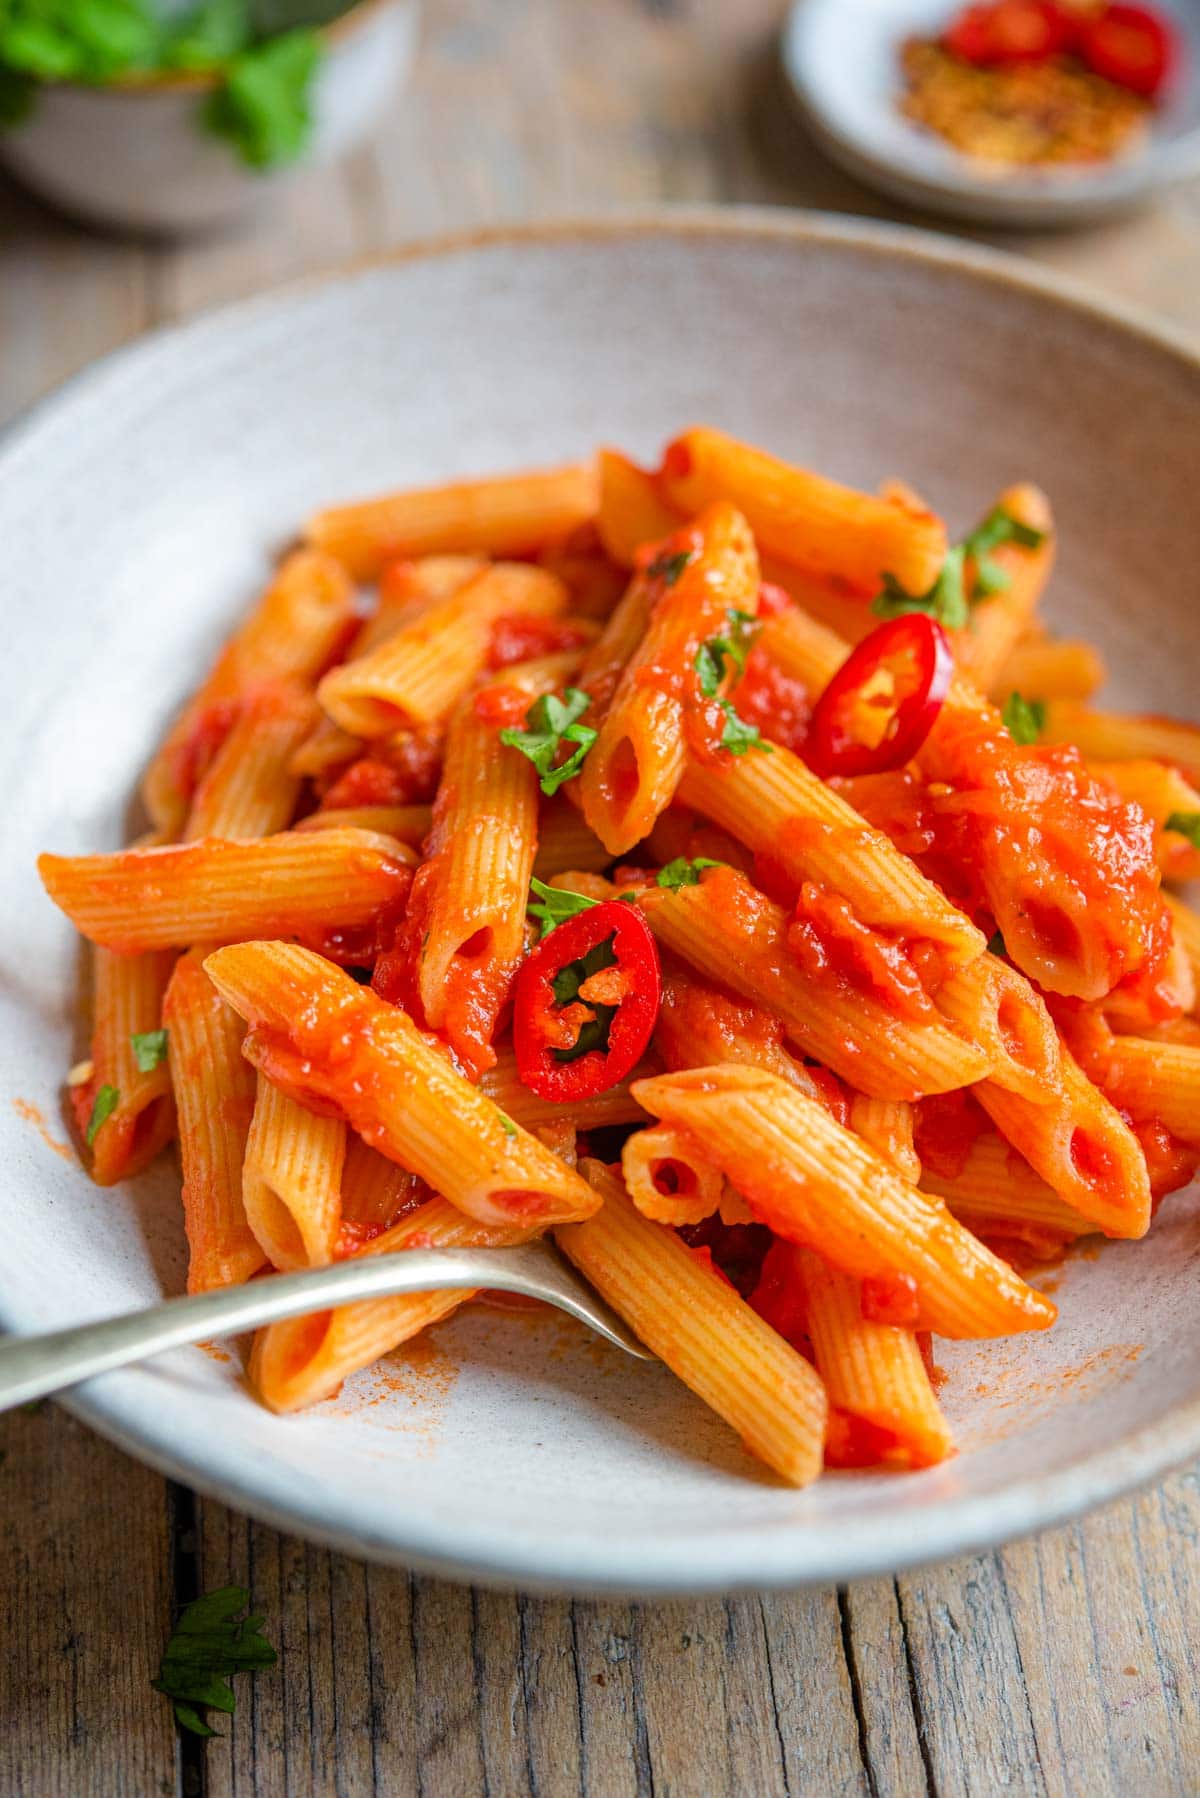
point(151, 82)
point(750, 1559)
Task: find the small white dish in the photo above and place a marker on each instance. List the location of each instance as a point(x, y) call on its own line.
point(841, 58)
point(139, 511)
point(135, 154)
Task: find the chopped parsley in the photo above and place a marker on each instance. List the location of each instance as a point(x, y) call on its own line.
point(549, 723)
point(1187, 824)
point(683, 873)
point(103, 1106)
point(510, 1129)
point(732, 647)
point(947, 599)
point(738, 736)
point(668, 568)
point(1024, 719)
point(149, 1049)
point(209, 1644)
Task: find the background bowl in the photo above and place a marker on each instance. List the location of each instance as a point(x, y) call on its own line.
point(136, 154)
point(139, 510)
point(841, 58)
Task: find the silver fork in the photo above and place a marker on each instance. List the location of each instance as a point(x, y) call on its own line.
point(32, 1366)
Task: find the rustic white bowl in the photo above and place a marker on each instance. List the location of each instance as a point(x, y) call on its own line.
point(841, 58)
point(139, 509)
point(136, 154)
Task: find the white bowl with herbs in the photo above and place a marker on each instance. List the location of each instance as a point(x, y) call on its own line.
point(180, 120)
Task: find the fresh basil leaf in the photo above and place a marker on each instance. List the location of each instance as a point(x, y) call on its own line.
point(549, 723)
point(105, 1103)
point(1187, 824)
point(264, 105)
point(210, 1643)
point(149, 1049)
point(684, 873)
point(1024, 719)
point(556, 905)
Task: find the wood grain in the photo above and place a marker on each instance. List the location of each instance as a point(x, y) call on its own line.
point(1065, 1665)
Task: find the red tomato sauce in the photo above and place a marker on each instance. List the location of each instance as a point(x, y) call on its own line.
point(774, 701)
point(830, 942)
point(945, 1126)
point(522, 639)
point(402, 771)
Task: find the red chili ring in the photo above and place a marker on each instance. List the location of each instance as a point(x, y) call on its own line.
point(630, 1024)
point(915, 640)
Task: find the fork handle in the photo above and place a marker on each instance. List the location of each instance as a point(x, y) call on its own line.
point(32, 1366)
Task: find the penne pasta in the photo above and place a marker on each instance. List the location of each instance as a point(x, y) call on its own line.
point(668, 1181)
point(998, 620)
point(251, 789)
point(129, 1062)
point(995, 1192)
point(708, 1336)
point(1186, 924)
point(292, 884)
point(376, 1193)
point(997, 1009)
point(887, 1125)
point(293, 634)
point(824, 528)
point(616, 1105)
point(504, 515)
point(1156, 1080)
point(407, 823)
point(292, 1180)
point(701, 575)
point(566, 840)
point(1114, 737)
point(814, 1183)
point(421, 672)
point(327, 1041)
point(214, 1097)
point(1049, 668)
point(632, 510)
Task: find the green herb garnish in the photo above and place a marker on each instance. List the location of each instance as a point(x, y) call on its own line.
point(732, 647)
point(668, 568)
point(103, 1106)
point(998, 527)
point(510, 1129)
point(149, 1049)
point(1024, 719)
point(556, 905)
point(738, 736)
point(947, 599)
point(549, 723)
point(684, 873)
point(1187, 824)
point(211, 1643)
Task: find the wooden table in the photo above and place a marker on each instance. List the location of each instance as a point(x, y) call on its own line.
point(1063, 1665)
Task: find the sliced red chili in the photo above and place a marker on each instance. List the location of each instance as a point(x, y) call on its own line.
point(586, 1003)
point(1009, 31)
point(1130, 45)
point(881, 704)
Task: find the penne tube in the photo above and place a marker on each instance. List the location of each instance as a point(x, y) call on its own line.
point(250, 789)
point(376, 1192)
point(778, 807)
point(304, 1359)
point(129, 1058)
point(998, 620)
point(822, 527)
point(730, 932)
point(498, 515)
point(1187, 934)
point(887, 1125)
point(1075, 1138)
point(567, 840)
point(699, 1024)
point(996, 1193)
point(1156, 1080)
point(632, 511)
point(467, 911)
point(696, 1323)
point(871, 1371)
point(409, 824)
point(214, 1097)
point(1049, 668)
point(702, 574)
point(668, 1181)
point(293, 884)
point(421, 672)
point(806, 648)
point(292, 1180)
point(813, 1182)
point(616, 1105)
point(996, 1007)
point(293, 634)
point(1114, 737)
point(328, 1041)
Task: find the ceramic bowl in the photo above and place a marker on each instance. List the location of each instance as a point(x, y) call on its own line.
point(135, 155)
point(841, 58)
point(139, 511)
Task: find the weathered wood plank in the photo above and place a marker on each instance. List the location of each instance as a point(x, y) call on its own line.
point(85, 1573)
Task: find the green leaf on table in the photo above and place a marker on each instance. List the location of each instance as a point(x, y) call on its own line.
point(211, 1642)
